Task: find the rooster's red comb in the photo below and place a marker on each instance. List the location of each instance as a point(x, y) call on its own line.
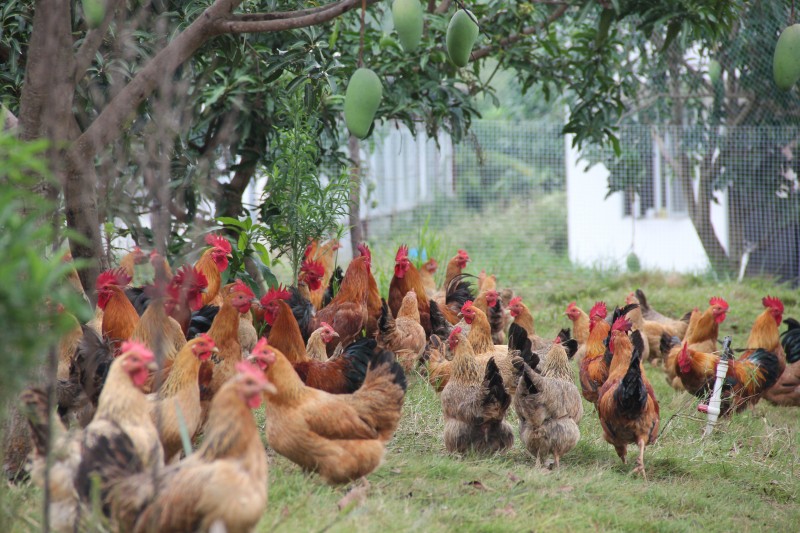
point(327, 326)
point(716, 300)
point(598, 310)
point(772, 302)
point(189, 277)
point(275, 293)
point(219, 242)
point(516, 300)
point(241, 286)
point(463, 254)
point(246, 368)
point(467, 305)
point(402, 252)
point(621, 324)
point(364, 250)
point(314, 268)
point(139, 349)
point(261, 345)
point(205, 337)
point(455, 332)
point(571, 306)
point(115, 276)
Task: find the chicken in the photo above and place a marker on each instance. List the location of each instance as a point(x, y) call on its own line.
point(427, 273)
point(488, 301)
point(178, 399)
point(627, 405)
point(214, 261)
point(129, 261)
point(406, 277)
point(319, 339)
point(549, 407)
point(311, 274)
point(596, 364)
point(486, 282)
point(348, 313)
point(374, 301)
point(474, 403)
point(652, 331)
point(403, 335)
point(185, 292)
point(341, 375)
point(480, 339)
point(598, 311)
point(224, 331)
point(156, 329)
point(676, 327)
point(786, 390)
point(701, 335)
point(438, 366)
point(745, 382)
point(580, 323)
point(122, 416)
point(325, 256)
point(455, 267)
point(220, 487)
point(523, 318)
point(342, 437)
point(119, 316)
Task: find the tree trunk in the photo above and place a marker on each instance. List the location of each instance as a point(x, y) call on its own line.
point(356, 231)
point(700, 205)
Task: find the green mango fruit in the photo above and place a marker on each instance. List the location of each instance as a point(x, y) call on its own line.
point(361, 101)
point(786, 61)
point(714, 70)
point(461, 35)
point(407, 15)
point(94, 11)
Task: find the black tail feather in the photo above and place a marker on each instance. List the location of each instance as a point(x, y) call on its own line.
point(516, 337)
point(667, 342)
point(459, 291)
point(138, 298)
point(439, 324)
point(386, 357)
point(642, 300)
point(571, 346)
point(631, 395)
point(333, 286)
point(303, 311)
point(790, 340)
point(564, 335)
point(358, 354)
point(91, 363)
point(201, 321)
point(493, 381)
point(383, 321)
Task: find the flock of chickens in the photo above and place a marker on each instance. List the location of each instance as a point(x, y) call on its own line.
point(331, 370)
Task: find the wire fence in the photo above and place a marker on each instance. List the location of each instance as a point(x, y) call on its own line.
point(679, 199)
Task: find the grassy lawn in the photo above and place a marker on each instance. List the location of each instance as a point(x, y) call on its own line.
point(745, 477)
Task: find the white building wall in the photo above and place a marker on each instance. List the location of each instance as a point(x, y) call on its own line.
point(599, 234)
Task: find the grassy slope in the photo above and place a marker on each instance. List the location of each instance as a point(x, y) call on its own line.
point(743, 478)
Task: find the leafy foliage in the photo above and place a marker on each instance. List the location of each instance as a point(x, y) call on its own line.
point(31, 283)
point(300, 204)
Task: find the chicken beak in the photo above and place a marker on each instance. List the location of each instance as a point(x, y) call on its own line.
point(214, 350)
point(334, 334)
point(204, 290)
point(269, 387)
point(255, 301)
point(152, 366)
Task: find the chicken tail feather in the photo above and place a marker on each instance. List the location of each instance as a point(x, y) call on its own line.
point(631, 395)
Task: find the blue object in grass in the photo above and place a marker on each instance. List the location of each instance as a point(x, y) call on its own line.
point(413, 253)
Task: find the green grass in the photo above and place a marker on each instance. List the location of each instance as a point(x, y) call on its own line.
point(743, 478)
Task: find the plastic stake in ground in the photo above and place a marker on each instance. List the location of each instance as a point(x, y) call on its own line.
point(713, 407)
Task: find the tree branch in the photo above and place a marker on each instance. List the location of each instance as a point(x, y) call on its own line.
point(511, 39)
point(278, 15)
point(331, 11)
point(92, 41)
